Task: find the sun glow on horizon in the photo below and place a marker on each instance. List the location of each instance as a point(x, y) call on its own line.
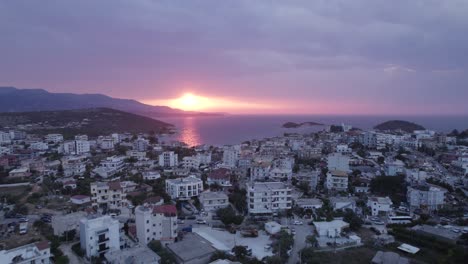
point(192, 102)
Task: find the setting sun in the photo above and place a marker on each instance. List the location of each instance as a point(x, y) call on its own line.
point(189, 101)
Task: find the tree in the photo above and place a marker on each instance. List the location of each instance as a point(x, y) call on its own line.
point(166, 256)
point(218, 255)
point(228, 216)
point(239, 199)
point(355, 222)
point(312, 240)
point(380, 160)
point(283, 244)
point(241, 252)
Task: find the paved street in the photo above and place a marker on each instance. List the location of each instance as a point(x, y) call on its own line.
point(302, 231)
point(66, 249)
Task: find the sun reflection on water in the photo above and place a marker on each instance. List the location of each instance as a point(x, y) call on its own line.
point(189, 134)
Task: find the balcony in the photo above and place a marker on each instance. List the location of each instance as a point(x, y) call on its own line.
point(100, 250)
point(102, 240)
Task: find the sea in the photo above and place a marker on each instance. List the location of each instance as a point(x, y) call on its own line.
point(235, 129)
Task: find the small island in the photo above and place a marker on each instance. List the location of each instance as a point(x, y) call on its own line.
point(297, 125)
point(394, 125)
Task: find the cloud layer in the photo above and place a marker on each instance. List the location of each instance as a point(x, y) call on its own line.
point(362, 56)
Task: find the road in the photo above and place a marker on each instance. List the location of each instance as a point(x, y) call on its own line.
point(302, 231)
point(67, 251)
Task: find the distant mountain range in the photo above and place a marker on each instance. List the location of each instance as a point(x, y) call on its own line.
point(31, 100)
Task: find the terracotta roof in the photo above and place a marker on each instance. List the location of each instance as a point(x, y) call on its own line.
point(152, 200)
point(80, 197)
point(167, 210)
point(220, 174)
point(42, 245)
point(115, 185)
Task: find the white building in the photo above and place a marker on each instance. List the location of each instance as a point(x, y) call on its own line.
point(379, 205)
point(5, 138)
point(140, 144)
point(38, 252)
point(110, 166)
point(343, 149)
point(337, 180)
point(230, 156)
point(156, 223)
point(67, 222)
point(110, 194)
point(151, 175)
point(212, 201)
point(81, 137)
point(184, 188)
point(74, 165)
point(268, 197)
point(260, 170)
point(204, 158)
point(106, 143)
point(41, 146)
point(338, 161)
point(168, 159)
point(311, 178)
point(99, 235)
point(191, 162)
point(343, 203)
point(427, 196)
point(330, 229)
point(394, 168)
point(56, 138)
point(221, 177)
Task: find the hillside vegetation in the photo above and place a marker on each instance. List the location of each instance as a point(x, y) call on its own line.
point(93, 122)
point(394, 125)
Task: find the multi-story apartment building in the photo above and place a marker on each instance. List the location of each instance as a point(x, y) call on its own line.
point(140, 144)
point(191, 162)
point(338, 161)
point(394, 168)
point(168, 159)
point(5, 138)
point(260, 170)
point(430, 197)
point(221, 177)
point(184, 188)
point(41, 146)
point(99, 235)
point(74, 165)
point(156, 222)
point(268, 197)
point(309, 177)
point(106, 143)
point(110, 166)
point(230, 156)
point(110, 194)
point(38, 253)
point(337, 180)
point(56, 138)
point(212, 201)
point(379, 205)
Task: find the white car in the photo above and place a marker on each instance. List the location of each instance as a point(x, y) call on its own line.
point(297, 222)
point(201, 222)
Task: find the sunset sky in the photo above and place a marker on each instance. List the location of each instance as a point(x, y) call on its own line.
point(245, 56)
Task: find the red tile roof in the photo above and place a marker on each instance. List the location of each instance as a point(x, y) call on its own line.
point(115, 185)
point(220, 174)
point(42, 245)
point(167, 210)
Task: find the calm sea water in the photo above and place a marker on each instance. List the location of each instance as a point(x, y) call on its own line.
point(233, 129)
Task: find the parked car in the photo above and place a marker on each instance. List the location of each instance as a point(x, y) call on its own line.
point(180, 221)
point(23, 220)
point(296, 222)
point(201, 222)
